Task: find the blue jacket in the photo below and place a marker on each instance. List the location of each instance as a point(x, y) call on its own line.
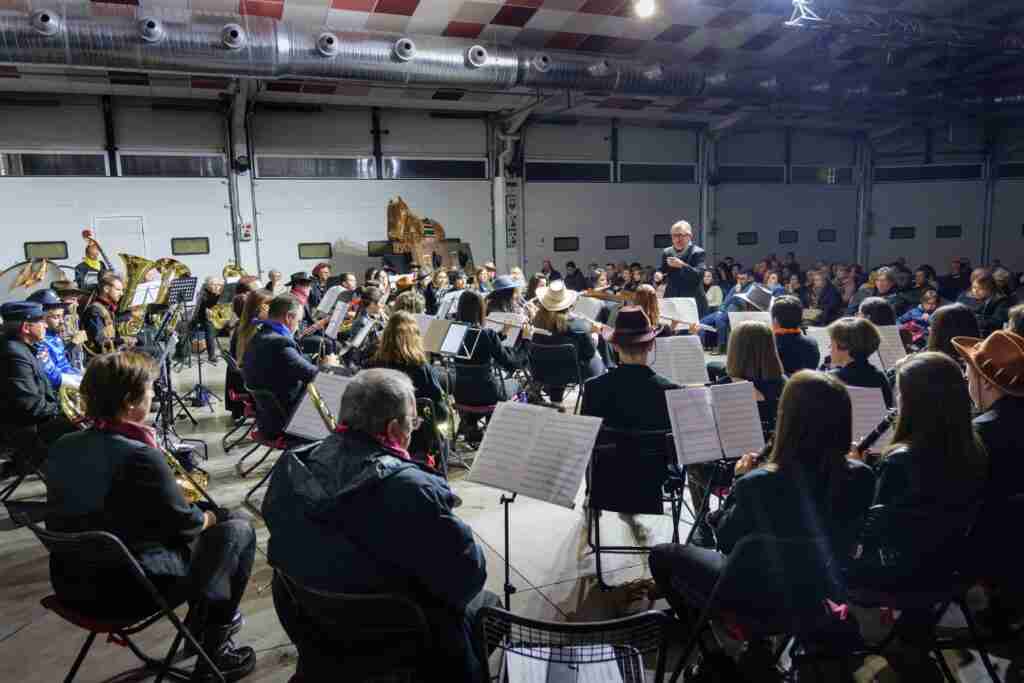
point(731, 302)
point(56, 362)
point(915, 314)
point(354, 517)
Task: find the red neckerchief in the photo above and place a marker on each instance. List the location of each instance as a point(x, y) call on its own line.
point(110, 305)
point(132, 430)
point(387, 443)
point(301, 296)
point(787, 330)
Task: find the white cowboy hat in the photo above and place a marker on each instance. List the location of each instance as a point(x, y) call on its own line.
point(556, 297)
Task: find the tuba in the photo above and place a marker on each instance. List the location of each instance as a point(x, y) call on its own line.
point(135, 270)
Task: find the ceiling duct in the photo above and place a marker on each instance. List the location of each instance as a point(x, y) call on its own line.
point(69, 36)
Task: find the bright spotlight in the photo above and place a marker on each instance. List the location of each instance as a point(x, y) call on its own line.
point(644, 8)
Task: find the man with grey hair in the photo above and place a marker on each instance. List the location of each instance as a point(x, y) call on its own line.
point(683, 267)
point(357, 515)
point(213, 287)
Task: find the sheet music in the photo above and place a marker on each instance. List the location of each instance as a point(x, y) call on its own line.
point(891, 351)
point(445, 309)
point(306, 422)
point(536, 452)
point(735, 318)
point(145, 293)
point(499, 321)
point(683, 309)
point(739, 423)
point(337, 318)
point(424, 321)
point(589, 307)
point(693, 425)
point(437, 330)
point(527, 664)
point(822, 339)
point(606, 671)
point(868, 411)
point(680, 359)
point(330, 298)
point(451, 345)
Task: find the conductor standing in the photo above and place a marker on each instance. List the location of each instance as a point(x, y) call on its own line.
point(683, 267)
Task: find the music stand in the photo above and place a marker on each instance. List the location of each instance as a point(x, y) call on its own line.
point(183, 290)
point(166, 394)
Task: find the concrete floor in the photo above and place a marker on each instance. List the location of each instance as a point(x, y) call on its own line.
point(551, 569)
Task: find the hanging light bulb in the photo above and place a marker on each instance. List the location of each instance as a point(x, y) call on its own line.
point(644, 8)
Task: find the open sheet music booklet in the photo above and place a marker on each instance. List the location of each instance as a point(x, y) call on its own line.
point(532, 665)
point(680, 359)
point(868, 412)
point(891, 351)
point(306, 422)
point(145, 293)
point(709, 423)
point(536, 452)
point(680, 309)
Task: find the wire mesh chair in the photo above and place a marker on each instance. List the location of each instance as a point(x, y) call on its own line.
point(631, 472)
point(99, 551)
point(623, 641)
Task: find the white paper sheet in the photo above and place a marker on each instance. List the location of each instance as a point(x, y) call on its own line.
point(693, 425)
point(145, 293)
point(868, 411)
point(330, 298)
point(680, 308)
point(531, 668)
point(536, 452)
point(449, 304)
point(736, 317)
point(589, 307)
point(739, 423)
point(891, 350)
point(822, 339)
point(680, 359)
point(306, 422)
point(423, 320)
point(337, 318)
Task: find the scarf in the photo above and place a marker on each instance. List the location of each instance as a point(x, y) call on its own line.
point(280, 328)
point(131, 430)
point(779, 331)
point(93, 263)
point(392, 445)
point(301, 296)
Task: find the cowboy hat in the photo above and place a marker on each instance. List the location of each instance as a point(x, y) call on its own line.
point(556, 297)
point(998, 358)
point(301, 276)
point(632, 327)
point(67, 288)
point(757, 296)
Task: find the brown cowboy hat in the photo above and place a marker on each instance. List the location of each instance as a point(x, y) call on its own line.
point(632, 327)
point(998, 358)
point(67, 288)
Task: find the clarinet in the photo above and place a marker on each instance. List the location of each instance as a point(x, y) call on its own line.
point(875, 434)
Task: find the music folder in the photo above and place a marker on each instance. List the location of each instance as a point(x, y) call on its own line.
point(450, 338)
point(305, 422)
point(710, 423)
point(536, 452)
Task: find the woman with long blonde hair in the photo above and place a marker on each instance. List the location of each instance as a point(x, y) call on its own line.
point(646, 297)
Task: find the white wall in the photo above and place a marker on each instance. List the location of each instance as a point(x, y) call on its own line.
point(767, 209)
point(591, 211)
point(44, 209)
point(349, 213)
point(925, 206)
point(1007, 219)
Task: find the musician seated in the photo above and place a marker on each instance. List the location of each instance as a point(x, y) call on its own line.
point(951, 321)
point(1016, 322)
point(360, 517)
point(32, 417)
point(254, 311)
point(447, 304)
point(318, 287)
point(504, 296)
point(213, 287)
point(100, 317)
point(312, 341)
point(796, 351)
point(372, 312)
point(52, 351)
point(436, 290)
point(345, 290)
point(995, 380)
point(274, 362)
point(114, 477)
point(854, 340)
point(631, 395)
point(753, 357)
point(807, 488)
point(646, 297)
point(491, 351)
point(409, 301)
point(556, 301)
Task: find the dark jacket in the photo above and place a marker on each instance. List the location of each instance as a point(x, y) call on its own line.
point(102, 481)
point(207, 300)
point(629, 397)
point(274, 363)
point(27, 395)
point(578, 335)
point(82, 271)
point(863, 292)
point(94, 324)
point(992, 314)
point(793, 504)
point(688, 280)
point(424, 381)
point(830, 303)
point(907, 478)
point(797, 352)
point(357, 518)
point(489, 351)
point(861, 373)
point(1000, 429)
point(577, 281)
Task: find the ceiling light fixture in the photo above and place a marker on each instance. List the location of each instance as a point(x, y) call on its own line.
point(644, 8)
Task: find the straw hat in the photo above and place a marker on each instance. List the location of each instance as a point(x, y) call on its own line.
point(556, 296)
point(999, 359)
point(632, 327)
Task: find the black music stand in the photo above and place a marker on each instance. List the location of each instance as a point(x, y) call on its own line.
point(200, 394)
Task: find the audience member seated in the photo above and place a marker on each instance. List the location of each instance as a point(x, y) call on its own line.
point(630, 396)
point(436, 290)
point(822, 303)
point(32, 416)
point(949, 321)
point(360, 517)
point(574, 277)
point(807, 488)
point(491, 351)
point(796, 351)
point(995, 380)
point(864, 291)
point(919, 317)
point(745, 296)
point(993, 309)
point(563, 328)
point(274, 363)
point(114, 477)
point(854, 340)
point(1016, 322)
point(712, 292)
